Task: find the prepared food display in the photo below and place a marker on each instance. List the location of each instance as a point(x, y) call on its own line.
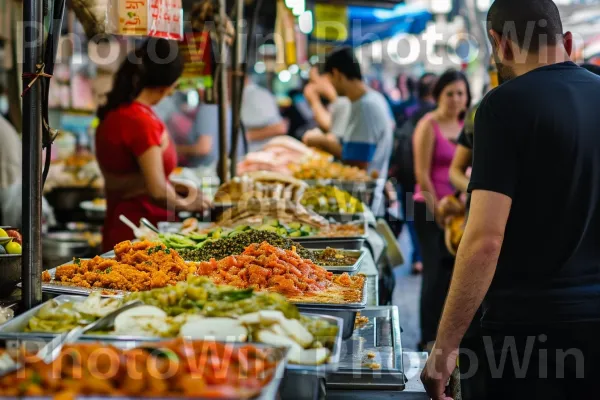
point(260, 185)
point(318, 169)
point(264, 267)
point(330, 199)
point(230, 243)
point(176, 368)
point(252, 213)
point(199, 309)
point(137, 266)
point(334, 258)
point(294, 229)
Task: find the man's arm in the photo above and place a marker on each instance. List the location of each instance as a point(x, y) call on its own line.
point(278, 129)
point(460, 163)
point(202, 147)
point(475, 265)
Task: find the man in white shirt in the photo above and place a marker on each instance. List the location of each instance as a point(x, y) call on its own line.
point(260, 116)
point(368, 140)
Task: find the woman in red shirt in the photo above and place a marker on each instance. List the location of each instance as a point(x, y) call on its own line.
point(133, 147)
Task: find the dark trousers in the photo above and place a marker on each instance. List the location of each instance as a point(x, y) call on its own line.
point(437, 271)
point(534, 363)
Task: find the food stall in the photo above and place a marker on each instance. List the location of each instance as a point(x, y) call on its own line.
point(280, 283)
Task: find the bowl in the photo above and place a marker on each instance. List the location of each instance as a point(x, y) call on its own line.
point(10, 272)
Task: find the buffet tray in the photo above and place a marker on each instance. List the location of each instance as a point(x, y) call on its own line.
point(380, 338)
point(14, 330)
point(351, 269)
point(269, 392)
point(310, 242)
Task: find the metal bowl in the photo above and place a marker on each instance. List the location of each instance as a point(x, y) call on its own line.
point(63, 246)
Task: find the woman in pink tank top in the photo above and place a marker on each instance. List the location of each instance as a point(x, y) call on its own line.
point(434, 144)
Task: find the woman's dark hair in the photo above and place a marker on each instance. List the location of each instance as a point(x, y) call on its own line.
point(448, 78)
point(155, 64)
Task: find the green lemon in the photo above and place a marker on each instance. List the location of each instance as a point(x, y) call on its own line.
point(13, 248)
point(3, 233)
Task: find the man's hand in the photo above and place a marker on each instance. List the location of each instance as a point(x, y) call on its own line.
point(440, 365)
point(313, 137)
point(311, 94)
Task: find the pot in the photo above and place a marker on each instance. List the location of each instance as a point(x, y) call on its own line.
point(10, 272)
point(61, 247)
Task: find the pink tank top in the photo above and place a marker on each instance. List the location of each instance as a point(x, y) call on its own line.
point(443, 152)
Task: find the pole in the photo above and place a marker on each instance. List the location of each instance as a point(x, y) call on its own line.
point(31, 271)
point(222, 97)
point(237, 85)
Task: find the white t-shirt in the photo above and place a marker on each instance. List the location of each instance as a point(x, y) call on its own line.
point(369, 138)
point(259, 110)
point(340, 114)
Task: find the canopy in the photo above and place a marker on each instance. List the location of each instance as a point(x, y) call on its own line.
point(367, 24)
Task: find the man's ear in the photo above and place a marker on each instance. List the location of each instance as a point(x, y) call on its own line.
point(568, 43)
point(501, 46)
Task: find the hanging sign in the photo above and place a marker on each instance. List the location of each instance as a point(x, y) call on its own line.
point(158, 18)
point(331, 22)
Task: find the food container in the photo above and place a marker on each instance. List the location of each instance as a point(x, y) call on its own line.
point(269, 391)
point(379, 342)
point(346, 312)
point(350, 269)
point(15, 330)
point(10, 272)
point(363, 191)
point(61, 247)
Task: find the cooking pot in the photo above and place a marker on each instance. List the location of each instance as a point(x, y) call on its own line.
point(61, 247)
point(10, 272)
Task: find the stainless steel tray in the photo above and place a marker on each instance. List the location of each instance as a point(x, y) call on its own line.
point(269, 392)
point(347, 268)
point(327, 306)
point(379, 338)
point(310, 242)
point(348, 317)
point(14, 330)
point(58, 288)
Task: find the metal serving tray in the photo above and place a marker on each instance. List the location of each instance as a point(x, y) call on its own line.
point(310, 242)
point(269, 392)
point(380, 338)
point(351, 269)
point(58, 288)
point(14, 330)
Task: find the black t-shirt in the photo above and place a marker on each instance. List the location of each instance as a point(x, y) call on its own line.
point(538, 142)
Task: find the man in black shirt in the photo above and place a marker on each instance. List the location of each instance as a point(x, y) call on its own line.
point(532, 242)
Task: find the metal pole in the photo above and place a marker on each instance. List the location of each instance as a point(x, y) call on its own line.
point(222, 100)
point(237, 85)
point(31, 272)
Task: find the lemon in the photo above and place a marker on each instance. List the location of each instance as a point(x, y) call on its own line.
point(13, 248)
point(3, 233)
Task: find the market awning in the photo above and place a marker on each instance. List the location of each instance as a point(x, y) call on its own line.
point(365, 24)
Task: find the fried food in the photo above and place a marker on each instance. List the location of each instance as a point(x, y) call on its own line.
point(136, 267)
point(324, 169)
point(264, 267)
point(177, 368)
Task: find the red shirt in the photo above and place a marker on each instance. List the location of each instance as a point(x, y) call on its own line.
point(123, 135)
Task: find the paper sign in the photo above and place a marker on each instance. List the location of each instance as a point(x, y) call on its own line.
point(159, 18)
point(331, 22)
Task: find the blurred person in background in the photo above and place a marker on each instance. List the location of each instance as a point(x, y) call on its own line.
point(368, 140)
point(133, 147)
point(402, 162)
point(331, 118)
point(260, 116)
point(434, 146)
point(200, 147)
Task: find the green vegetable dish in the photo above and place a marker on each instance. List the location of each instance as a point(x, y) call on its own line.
point(198, 241)
point(199, 309)
point(236, 244)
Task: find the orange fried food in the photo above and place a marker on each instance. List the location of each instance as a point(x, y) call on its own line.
point(265, 267)
point(136, 267)
point(202, 369)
